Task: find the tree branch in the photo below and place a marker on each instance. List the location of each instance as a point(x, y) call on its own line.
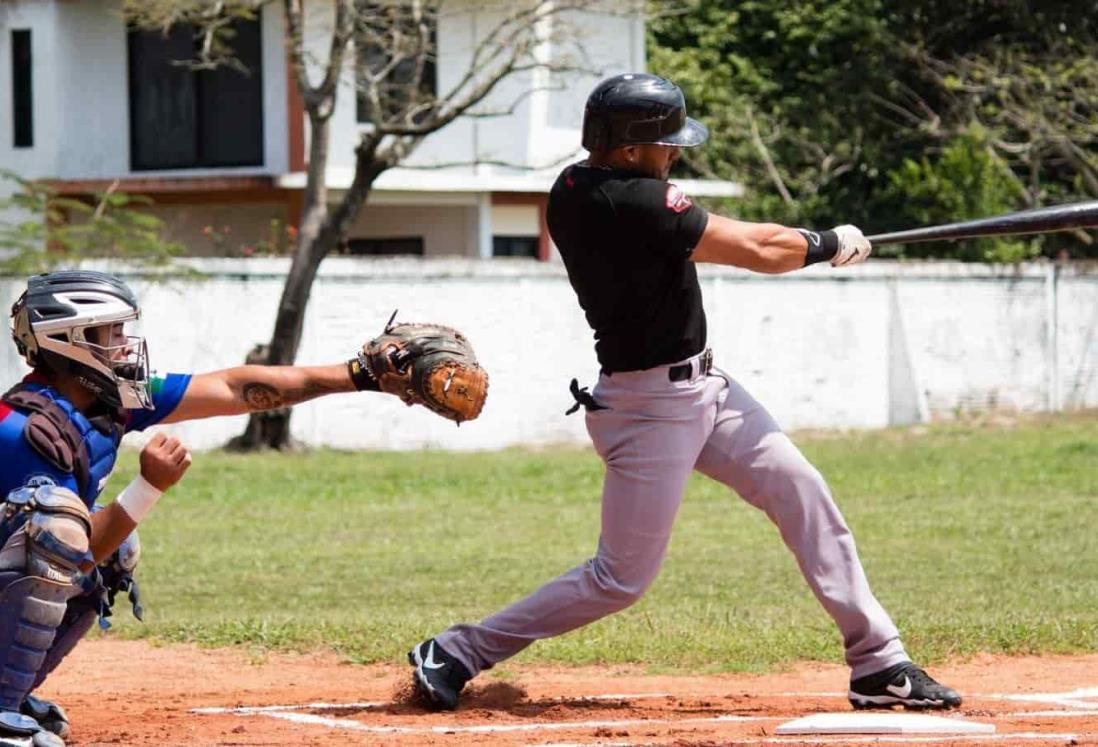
point(764, 154)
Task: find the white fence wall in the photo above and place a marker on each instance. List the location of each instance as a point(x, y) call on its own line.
point(883, 344)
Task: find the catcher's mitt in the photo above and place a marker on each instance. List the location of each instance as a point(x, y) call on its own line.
point(429, 365)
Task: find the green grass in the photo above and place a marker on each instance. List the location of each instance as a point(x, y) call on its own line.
point(975, 538)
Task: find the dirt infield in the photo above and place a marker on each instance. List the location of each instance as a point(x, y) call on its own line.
point(132, 693)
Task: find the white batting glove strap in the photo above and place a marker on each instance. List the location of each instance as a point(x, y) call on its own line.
point(854, 247)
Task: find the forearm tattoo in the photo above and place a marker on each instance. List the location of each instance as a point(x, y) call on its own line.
point(259, 396)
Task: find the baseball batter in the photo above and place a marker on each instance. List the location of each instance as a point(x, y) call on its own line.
point(630, 242)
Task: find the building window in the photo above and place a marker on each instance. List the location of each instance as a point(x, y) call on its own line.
point(406, 245)
point(184, 118)
point(22, 102)
point(389, 38)
point(515, 246)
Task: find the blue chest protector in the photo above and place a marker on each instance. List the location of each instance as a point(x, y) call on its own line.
point(68, 439)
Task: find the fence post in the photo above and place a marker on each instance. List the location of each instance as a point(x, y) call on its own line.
point(1052, 343)
point(907, 400)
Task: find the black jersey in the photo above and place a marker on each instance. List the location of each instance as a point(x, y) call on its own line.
point(626, 241)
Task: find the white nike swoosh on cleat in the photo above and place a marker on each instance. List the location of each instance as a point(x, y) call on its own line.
point(430, 663)
point(901, 692)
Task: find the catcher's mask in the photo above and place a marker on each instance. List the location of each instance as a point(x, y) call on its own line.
point(636, 108)
point(80, 323)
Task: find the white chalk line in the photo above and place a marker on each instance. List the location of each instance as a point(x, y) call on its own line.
point(1071, 700)
point(348, 724)
point(845, 739)
point(256, 710)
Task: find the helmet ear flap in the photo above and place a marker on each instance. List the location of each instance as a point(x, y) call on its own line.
point(21, 332)
point(596, 131)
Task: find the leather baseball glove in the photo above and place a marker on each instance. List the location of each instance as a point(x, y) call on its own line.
point(429, 365)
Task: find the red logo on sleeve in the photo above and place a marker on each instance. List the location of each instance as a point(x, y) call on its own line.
point(4, 411)
point(677, 199)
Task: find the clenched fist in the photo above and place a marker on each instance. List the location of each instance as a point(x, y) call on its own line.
point(854, 247)
point(163, 461)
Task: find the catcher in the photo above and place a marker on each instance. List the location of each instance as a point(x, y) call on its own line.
point(60, 429)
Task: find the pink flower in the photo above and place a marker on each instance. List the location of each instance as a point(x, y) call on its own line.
point(248, 251)
point(208, 230)
point(291, 231)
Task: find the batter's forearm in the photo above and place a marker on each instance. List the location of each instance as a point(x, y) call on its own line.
point(760, 247)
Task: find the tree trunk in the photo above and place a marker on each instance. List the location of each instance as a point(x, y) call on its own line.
point(320, 232)
point(271, 429)
point(263, 427)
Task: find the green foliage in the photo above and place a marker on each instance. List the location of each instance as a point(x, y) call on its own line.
point(365, 553)
point(279, 240)
point(41, 230)
point(886, 114)
point(212, 24)
point(771, 80)
point(966, 180)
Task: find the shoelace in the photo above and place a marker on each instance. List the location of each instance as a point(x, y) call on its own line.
point(920, 677)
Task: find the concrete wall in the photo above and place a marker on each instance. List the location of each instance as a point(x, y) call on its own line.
point(81, 99)
point(876, 345)
point(41, 19)
point(226, 228)
point(233, 225)
point(446, 230)
point(544, 126)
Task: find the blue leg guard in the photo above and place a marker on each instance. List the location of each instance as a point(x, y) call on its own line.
point(38, 571)
point(78, 620)
point(114, 576)
point(30, 610)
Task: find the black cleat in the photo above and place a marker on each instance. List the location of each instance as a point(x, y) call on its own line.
point(438, 677)
point(904, 684)
point(49, 715)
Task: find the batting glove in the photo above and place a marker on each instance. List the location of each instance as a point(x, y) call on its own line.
point(854, 247)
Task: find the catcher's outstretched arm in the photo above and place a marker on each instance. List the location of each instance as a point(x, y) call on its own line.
point(245, 389)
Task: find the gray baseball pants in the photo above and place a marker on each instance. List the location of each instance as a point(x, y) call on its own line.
point(651, 435)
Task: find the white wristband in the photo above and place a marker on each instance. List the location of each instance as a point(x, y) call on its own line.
point(138, 498)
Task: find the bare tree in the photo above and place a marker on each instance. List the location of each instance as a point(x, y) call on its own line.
point(394, 49)
point(1043, 119)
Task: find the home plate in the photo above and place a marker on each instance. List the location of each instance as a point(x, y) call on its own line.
point(883, 722)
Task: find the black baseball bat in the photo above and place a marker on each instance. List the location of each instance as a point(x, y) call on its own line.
point(1037, 220)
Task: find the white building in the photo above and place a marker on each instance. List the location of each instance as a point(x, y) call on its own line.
point(86, 102)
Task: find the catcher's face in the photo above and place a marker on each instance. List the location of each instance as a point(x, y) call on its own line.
point(111, 338)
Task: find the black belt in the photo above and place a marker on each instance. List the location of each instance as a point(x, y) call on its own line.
point(685, 371)
point(682, 371)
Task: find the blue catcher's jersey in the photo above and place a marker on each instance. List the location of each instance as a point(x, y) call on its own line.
point(21, 465)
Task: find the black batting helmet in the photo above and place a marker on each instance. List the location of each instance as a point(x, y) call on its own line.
point(639, 108)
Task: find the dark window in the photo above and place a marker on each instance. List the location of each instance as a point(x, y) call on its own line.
point(21, 92)
point(412, 245)
point(515, 246)
point(181, 117)
point(388, 35)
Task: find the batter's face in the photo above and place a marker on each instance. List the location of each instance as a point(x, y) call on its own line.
point(651, 159)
